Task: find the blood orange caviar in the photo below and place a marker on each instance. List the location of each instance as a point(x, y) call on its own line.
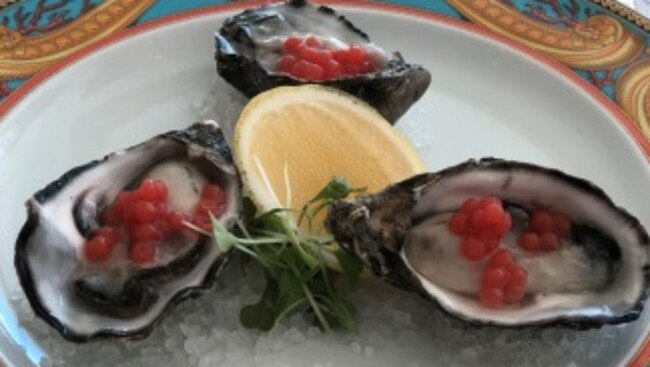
point(545, 231)
point(141, 221)
point(503, 281)
point(309, 58)
point(482, 223)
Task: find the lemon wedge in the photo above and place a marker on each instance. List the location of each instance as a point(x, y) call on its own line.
point(289, 142)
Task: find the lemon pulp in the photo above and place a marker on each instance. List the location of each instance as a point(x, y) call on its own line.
point(291, 141)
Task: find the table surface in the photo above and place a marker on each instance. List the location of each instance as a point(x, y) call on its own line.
point(602, 41)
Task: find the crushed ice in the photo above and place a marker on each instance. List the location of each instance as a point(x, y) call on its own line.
point(396, 328)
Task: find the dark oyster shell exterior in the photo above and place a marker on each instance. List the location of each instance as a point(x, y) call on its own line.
point(140, 290)
point(374, 227)
point(391, 91)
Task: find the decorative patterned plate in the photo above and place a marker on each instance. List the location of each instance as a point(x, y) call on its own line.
point(498, 89)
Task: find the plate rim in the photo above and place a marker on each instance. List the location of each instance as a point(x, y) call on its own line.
point(640, 356)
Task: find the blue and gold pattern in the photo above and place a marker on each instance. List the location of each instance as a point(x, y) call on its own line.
point(603, 42)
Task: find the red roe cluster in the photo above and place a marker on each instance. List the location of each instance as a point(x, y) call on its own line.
point(143, 218)
point(481, 223)
point(502, 281)
point(545, 231)
point(307, 58)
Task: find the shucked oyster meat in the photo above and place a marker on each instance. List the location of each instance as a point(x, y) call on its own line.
point(594, 270)
point(297, 42)
point(94, 260)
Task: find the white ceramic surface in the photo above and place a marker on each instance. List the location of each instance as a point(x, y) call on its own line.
point(486, 99)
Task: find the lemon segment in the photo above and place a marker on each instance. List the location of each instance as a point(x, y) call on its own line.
point(290, 141)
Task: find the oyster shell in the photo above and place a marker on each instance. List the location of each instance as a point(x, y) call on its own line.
point(249, 45)
point(599, 276)
point(85, 300)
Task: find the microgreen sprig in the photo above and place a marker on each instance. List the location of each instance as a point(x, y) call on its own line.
point(304, 269)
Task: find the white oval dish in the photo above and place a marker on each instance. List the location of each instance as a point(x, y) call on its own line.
point(487, 98)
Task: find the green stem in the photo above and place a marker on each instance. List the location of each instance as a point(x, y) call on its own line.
point(328, 258)
point(314, 306)
point(289, 309)
point(261, 241)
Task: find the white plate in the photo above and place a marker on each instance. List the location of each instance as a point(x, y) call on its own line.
point(486, 99)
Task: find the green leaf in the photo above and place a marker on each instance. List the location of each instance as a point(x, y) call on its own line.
point(290, 293)
point(310, 274)
point(351, 265)
point(262, 315)
point(337, 188)
point(296, 262)
point(290, 309)
point(257, 316)
point(344, 316)
point(224, 239)
point(249, 210)
point(272, 220)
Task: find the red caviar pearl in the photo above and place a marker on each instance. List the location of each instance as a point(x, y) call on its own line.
point(457, 224)
point(493, 214)
point(312, 42)
point(469, 205)
point(541, 222)
point(505, 224)
point(142, 212)
point(202, 222)
point(491, 244)
point(513, 293)
point(123, 199)
point(207, 207)
point(472, 249)
point(323, 57)
point(161, 209)
point(517, 275)
point(115, 214)
point(549, 242)
point(111, 234)
point(152, 191)
point(291, 44)
point(333, 69)
point(309, 54)
point(314, 72)
point(298, 69)
point(341, 56)
point(98, 249)
point(561, 225)
point(175, 221)
point(357, 55)
point(163, 227)
point(161, 188)
point(530, 242)
point(213, 192)
point(501, 258)
point(504, 275)
point(478, 219)
point(352, 69)
point(491, 297)
point(111, 216)
point(494, 277)
point(147, 232)
point(142, 252)
point(285, 63)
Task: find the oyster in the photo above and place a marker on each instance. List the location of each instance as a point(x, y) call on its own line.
point(84, 295)
point(250, 48)
point(598, 275)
